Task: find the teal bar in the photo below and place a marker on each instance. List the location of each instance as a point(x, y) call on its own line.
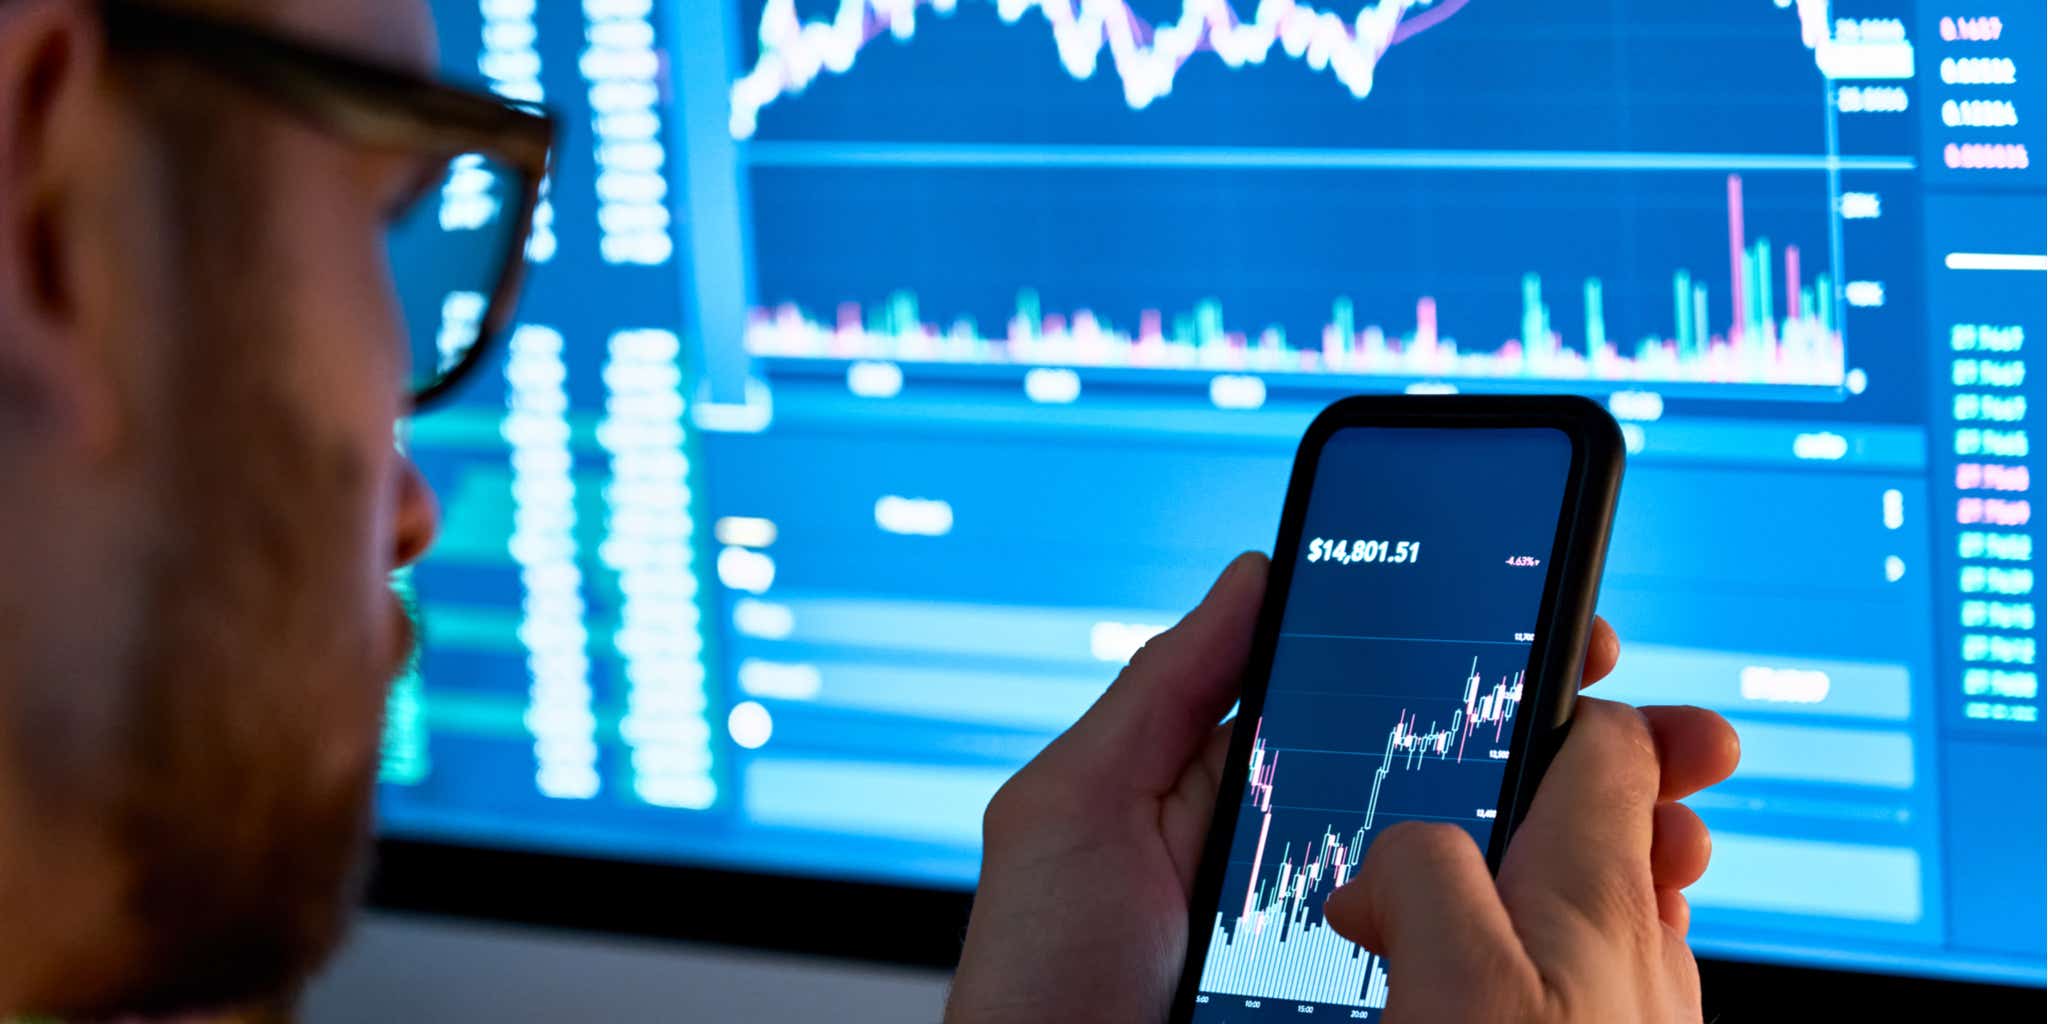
point(903, 318)
point(1700, 333)
point(1209, 322)
point(1681, 312)
point(1596, 320)
point(1342, 320)
point(1824, 300)
point(1029, 311)
point(1535, 319)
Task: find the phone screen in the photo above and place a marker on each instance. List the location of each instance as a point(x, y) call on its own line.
point(1397, 674)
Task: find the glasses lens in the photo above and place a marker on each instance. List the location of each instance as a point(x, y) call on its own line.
point(448, 254)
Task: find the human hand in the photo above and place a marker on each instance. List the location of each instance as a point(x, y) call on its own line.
point(1090, 851)
point(1585, 921)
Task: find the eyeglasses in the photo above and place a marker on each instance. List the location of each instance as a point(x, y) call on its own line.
point(458, 252)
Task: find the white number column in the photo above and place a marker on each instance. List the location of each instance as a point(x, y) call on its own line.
point(543, 543)
point(625, 96)
point(649, 544)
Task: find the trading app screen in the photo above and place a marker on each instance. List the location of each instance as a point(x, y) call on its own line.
point(1395, 683)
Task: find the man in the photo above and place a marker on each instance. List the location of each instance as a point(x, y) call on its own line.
point(201, 362)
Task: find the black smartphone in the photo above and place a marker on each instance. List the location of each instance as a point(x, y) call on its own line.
point(1424, 629)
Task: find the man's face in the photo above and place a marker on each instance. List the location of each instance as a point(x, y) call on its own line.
point(239, 748)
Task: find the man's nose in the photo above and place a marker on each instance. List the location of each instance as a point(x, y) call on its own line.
point(419, 517)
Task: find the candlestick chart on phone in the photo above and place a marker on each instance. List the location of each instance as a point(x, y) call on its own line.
point(1358, 734)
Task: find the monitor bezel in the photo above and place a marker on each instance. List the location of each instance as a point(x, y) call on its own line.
point(923, 927)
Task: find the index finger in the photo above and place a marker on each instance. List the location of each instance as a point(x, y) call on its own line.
point(1603, 650)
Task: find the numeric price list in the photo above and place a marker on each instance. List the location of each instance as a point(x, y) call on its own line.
point(1982, 109)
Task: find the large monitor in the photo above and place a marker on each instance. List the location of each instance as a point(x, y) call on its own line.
point(892, 369)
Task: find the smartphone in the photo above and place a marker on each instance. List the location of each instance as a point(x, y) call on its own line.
point(1425, 625)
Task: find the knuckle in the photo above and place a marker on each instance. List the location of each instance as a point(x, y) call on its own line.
point(1148, 658)
point(1622, 740)
point(1432, 840)
point(1414, 849)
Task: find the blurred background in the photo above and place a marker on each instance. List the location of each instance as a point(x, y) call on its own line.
point(892, 369)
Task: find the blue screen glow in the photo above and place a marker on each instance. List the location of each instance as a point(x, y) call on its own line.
point(892, 369)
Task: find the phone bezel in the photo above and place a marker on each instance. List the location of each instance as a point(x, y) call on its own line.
point(1563, 622)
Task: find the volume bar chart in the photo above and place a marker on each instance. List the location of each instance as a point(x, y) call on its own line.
point(1775, 326)
point(1310, 964)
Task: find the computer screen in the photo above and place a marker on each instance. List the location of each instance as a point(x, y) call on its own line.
point(891, 370)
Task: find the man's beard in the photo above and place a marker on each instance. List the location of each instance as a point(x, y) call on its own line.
point(244, 809)
point(243, 843)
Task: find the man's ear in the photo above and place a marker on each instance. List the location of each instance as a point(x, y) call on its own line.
point(55, 375)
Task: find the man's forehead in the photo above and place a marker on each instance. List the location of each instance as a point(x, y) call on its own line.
point(396, 32)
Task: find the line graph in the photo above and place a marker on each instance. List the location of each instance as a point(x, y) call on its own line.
point(1148, 56)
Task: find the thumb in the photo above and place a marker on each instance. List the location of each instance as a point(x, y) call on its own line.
point(1425, 901)
point(1167, 701)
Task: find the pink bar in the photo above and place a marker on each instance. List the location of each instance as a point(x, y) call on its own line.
point(1425, 322)
point(1738, 299)
point(1251, 887)
point(1792, 282)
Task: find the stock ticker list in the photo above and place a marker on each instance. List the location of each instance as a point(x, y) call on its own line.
point(891, 370)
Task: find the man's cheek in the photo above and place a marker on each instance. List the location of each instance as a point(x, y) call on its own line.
point(350, 346)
